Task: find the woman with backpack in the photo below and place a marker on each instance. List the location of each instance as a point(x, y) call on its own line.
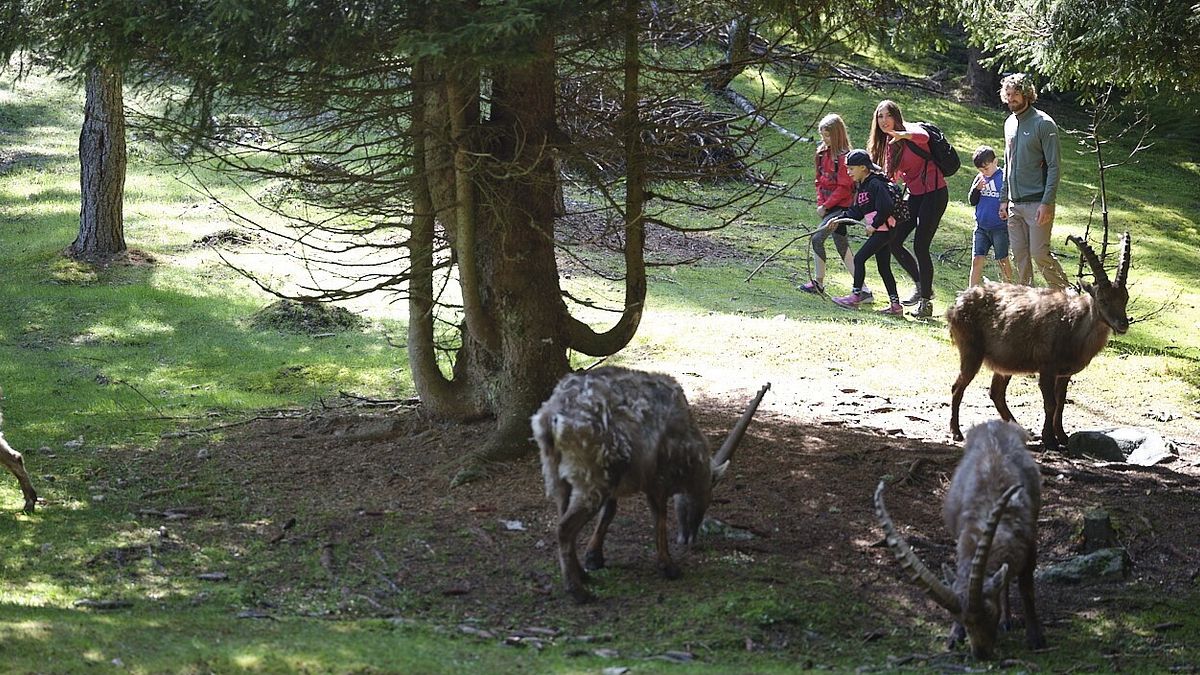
point(874, 204)
point(905, 153)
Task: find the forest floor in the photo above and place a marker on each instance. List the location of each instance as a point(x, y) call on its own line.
point(349, 512)
point(352, 513)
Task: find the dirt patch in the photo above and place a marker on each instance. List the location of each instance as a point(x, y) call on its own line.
point(365, 498)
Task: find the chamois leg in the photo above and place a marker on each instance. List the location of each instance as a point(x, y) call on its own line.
point(11, 459)
point(658, 510)
point(1033, 627)
point(957, 635)
point(1060, 403)
point(593, 559)
point(1048, 383)
point(999, 395)
point(575, 516)
point(968, 367)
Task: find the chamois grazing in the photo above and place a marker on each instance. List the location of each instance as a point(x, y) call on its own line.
point(613, 432)
point(1019, 329)
point(11, 459)
point(991, 509)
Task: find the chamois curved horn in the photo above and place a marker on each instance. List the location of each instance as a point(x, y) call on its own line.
point(917, 571)
point(979, 562)
point(725, 453)
point(1092, 259)
point(1123, 262)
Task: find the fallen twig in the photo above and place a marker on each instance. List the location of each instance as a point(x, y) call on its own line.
point(781, 250)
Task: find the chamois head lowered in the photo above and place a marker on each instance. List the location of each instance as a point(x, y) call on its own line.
point(613, 432)
point(991, 510)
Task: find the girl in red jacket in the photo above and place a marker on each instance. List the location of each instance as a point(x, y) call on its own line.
point(835, 190)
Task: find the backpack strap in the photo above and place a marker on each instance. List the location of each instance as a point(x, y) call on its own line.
point(928, 157)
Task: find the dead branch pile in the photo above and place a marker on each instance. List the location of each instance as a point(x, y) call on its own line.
point(683, 139)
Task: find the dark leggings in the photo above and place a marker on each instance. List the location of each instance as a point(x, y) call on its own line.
point(878, 246)
point(928, 209)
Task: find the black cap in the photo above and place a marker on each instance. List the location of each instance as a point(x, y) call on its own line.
point(861, 158)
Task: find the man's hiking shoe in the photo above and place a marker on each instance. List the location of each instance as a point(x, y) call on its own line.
point(894, 309)
point(813, 287)
point(924, 309)
point(912, 299)
point(851, 301)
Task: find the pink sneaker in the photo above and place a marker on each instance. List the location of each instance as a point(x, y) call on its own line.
point(851, 301)
point(895, 309)
point(813, 287)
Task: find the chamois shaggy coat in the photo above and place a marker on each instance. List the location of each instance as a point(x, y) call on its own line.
point(991, 509)
point(995, 458)
point(613, 432)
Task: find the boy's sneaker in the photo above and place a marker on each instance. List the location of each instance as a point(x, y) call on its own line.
point(813, 287)
point(851, 301)
point(894, 309)
point(924, 309)
point(867, 296)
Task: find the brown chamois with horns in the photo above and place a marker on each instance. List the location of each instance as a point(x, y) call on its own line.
point(11, 459)
point(991, 510)
point(612, 432)
point(1019, 329)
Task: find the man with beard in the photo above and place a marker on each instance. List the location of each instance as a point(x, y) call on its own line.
point(1031, 175)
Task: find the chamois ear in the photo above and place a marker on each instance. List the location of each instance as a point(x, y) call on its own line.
point(995, 583)
point(949, 575)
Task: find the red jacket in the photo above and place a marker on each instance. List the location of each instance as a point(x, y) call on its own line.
point(835, 188)
point(919, 175)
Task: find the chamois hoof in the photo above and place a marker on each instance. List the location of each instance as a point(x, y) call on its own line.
point(1036, 641)
point(581, 596)
point(593, 560)
point(957, 634)
point(669, 571)
point(30, 501)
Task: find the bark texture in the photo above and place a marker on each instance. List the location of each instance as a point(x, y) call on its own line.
point(102, 169)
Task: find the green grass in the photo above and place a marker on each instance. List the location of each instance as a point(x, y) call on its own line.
point(118, 357)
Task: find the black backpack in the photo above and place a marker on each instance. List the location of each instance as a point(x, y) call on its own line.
point(944, 154)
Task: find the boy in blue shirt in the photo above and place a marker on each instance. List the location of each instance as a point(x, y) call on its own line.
point(991, 231)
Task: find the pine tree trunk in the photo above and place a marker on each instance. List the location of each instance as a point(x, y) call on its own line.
point(490, 183)
point(102, 169)
point(983, 81)
point(737, 54)
point(516, 251)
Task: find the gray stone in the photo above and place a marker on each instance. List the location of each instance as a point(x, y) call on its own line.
point(1133, 445)
point(1104, 566)
point(1098, 531)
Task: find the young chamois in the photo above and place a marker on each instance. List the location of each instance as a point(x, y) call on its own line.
point(11, 459)
point(991, 510)
point(1019, 329)
point(613, 432)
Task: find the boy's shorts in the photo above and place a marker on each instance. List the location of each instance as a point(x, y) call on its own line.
point(994, 239)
